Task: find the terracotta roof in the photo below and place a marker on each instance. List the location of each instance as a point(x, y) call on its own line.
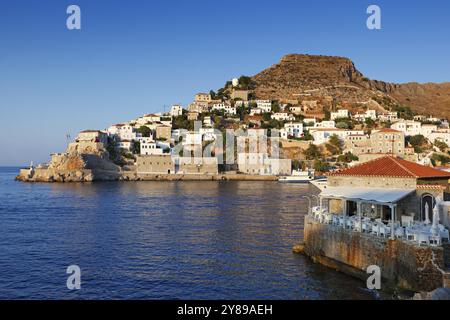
point(390, 166)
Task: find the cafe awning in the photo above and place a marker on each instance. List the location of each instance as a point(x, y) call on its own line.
point(374, 195)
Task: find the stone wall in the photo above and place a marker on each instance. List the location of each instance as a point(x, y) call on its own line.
point(403, 265)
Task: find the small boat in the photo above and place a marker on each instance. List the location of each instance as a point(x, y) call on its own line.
point(320, 183)
point(298, 176)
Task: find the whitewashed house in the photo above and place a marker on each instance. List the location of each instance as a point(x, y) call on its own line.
point(339, 114)
point(282, 116)
point(409, 127)
point(149, 147)
point(321, 135)
point(327, 124)
point(176, 110)
point(264, 105)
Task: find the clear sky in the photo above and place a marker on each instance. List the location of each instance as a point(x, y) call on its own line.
point(134, 57)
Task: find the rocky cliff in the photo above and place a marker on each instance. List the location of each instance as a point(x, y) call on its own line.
point(336, 79)
point(82, 162)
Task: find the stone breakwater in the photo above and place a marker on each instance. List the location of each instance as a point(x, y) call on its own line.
point(89, 175)
point(403, 265)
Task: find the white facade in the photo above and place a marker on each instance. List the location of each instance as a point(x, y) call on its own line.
point(441, 135)
point(207, 121)
point(293, 129)
point(148, 118)
point(369, 114)
point(255, 111)
point(227, 109)
point(123, 131)
point(282, 116)
point(410, 128)
point(326, 124)
point(193, 138)
point(390, 116)
point(264, 105)
point(176, 110)
point(261, 164)
point(341, 113)
point(149, 147)
point(323, 135)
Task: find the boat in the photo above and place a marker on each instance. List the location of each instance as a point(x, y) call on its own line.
point(320, 183)
point(298, 176)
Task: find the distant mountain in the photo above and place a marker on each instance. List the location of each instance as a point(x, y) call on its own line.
point(299, 77)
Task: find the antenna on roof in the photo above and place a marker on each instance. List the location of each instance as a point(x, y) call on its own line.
point(68, 137)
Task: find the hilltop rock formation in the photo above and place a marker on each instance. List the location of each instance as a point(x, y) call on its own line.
point(336, 80)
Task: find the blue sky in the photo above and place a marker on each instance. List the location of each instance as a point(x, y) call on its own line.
point(133, 57)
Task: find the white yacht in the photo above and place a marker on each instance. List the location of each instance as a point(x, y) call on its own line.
point(298, 176)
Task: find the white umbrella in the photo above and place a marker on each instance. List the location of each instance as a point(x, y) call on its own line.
point(427, 213)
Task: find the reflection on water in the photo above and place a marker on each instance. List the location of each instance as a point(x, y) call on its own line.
point(160, 240)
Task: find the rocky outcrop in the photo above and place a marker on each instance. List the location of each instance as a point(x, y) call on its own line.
point(82, 162)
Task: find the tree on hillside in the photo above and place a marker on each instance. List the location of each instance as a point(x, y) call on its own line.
point(312, 152)
point(334, 145)
point(441, 145)
point(418, 142)
point(144, 131)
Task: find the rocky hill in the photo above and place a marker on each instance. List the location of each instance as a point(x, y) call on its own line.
point(336, 80)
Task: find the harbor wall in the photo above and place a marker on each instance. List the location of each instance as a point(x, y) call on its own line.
point(403, 265)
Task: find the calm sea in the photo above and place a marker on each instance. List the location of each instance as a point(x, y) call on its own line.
point(160, 240)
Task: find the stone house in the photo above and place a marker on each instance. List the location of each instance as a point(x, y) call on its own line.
point(96, 136)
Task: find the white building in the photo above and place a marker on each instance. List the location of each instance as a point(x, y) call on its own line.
point(264, 105)
point(123, 131)
point(390, 116)
point(261, 164)
point(293, 129)
point(323, 135)
point(176, 110)
point(409, 127)
point(149, 147)
point(207, 122)
point(148, 118)
point(341, 113)
point(441, 135)
point(125, 145)
point(193, 138)
point(282, 116)
point(209, 134)
point(255, 111)
point(227, 109)
point(369, 114)
point(327, 124)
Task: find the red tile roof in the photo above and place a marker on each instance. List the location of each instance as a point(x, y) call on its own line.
point(390, 166)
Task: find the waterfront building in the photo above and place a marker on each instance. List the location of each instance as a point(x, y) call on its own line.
point(155, 164)
point(262, 164)
point(196, 165)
